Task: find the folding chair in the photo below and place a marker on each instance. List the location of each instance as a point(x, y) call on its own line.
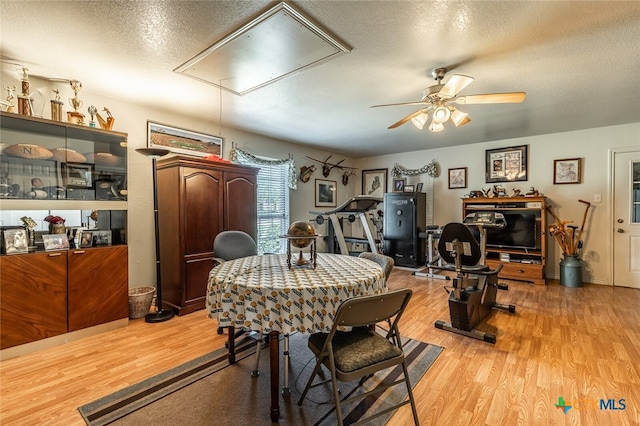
point(361, 352)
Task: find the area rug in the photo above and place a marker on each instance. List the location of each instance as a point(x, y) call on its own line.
point(209, 391)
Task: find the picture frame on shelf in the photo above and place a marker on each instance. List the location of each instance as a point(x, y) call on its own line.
point(567, 171)
point(77, 175)
point(409, 188)
point(398, 184)
point(419, 186)
point(14, 241)
point(86, 239)
point(55, 241)
point(374, 182)
point(326, 193)
point(458, 178)
point(507, 164)
point(101, 238)
point(182, 141)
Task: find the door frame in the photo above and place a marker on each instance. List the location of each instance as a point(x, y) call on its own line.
point(611, 200)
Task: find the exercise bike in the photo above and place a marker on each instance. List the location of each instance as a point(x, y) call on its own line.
point(473, 297)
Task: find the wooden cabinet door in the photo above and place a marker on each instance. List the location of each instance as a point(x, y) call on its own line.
point(240, 213)
point(33, 297)
point(98, 286)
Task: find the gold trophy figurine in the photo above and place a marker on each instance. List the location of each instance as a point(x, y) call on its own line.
point(75, 116)
point(56, 106)
point(24, 101)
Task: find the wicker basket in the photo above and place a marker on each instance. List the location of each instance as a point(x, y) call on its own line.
point(140, 299)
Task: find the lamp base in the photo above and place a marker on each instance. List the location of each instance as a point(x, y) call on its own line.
point(158, 316)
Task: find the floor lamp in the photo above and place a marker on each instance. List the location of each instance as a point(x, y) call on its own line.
point(160, 314)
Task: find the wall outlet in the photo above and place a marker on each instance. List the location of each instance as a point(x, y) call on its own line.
point(597, 198)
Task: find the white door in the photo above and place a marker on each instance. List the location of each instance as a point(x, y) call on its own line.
point(626, 218)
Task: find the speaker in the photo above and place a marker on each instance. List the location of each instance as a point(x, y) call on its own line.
point(405, 216)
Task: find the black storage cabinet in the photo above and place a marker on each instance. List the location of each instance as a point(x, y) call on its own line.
point(404, 219)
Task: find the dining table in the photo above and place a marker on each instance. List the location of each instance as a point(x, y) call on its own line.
point(269, 295)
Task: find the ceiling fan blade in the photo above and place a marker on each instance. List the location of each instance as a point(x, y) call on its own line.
point(492, 98)
point(456, 83)
point(401, 104)
point(407, 118)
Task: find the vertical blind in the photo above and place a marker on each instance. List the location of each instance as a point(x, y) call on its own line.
point(273, 208)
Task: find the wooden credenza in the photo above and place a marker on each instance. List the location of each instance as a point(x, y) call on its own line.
point(47, 294)
point(197, 199)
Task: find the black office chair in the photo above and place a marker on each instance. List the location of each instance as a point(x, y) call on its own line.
point(230, 245)
point(475, 286)
point(361, 352)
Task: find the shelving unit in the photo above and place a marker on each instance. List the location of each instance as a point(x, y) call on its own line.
point(524, 264)
point(50, 296)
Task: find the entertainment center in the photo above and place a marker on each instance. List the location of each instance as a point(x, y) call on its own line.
point(521, 246)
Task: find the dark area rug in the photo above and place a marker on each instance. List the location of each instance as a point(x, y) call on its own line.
point(209, 391)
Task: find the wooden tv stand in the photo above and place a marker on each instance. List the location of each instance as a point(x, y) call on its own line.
point(522, 264)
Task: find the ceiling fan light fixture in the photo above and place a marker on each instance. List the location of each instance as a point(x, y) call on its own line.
point(441, 114)
point(420, 120)
point(459, 118)
point(436, 126)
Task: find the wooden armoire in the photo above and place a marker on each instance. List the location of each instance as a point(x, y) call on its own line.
point(197, 199)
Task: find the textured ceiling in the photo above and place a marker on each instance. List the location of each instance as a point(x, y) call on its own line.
point(577, 61)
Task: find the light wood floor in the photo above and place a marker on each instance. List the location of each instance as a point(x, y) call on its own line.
point(582, 344)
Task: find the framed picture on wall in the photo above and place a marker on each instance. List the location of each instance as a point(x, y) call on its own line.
point(182, 141)
point(326, 193)
point(458, 178)
point(374, 182)
point(507, 164)
point(567, 171)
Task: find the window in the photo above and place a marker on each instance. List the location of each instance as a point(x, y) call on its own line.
point(273, 208)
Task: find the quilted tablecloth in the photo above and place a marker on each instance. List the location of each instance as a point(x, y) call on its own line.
point(261, 293)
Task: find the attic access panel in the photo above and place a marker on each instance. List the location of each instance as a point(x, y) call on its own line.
point(271, 47)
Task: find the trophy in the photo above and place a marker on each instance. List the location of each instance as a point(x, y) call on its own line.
point(56, 106)
point(75, 116)
point(92, 111)
point(8, 104)
point(24, 101)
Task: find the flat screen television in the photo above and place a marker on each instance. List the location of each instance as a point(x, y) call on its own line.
point(520, 231)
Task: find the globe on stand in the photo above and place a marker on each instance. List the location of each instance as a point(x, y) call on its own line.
point(301, 235)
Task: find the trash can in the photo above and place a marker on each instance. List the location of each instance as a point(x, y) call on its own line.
point(571, 271)
point(140, 299)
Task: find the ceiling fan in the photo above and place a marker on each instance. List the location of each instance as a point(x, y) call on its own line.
point(440, 97)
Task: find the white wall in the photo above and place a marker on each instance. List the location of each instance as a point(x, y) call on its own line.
point(591, 145)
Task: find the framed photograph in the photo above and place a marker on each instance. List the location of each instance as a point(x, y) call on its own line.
point(77, 175)
point(567, 171)
point(55, 241)
point(182, 141)
point(419, 187)
point(86, 239)
point(458, 178)
point(507, 164)
point(374, 182)
point(14, 240)
point(101, 238)
point(409, 188)
point(326, 193)
point(398, 184)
